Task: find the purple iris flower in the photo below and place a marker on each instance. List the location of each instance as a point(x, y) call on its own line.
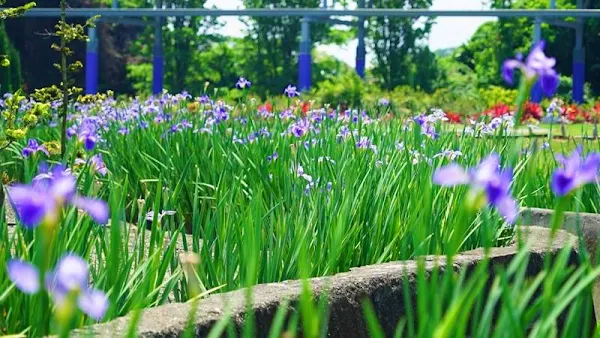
point(25, 276)
point(384, 102)
point(301, 173)
point(486, 178)
point(291, 91)
point(185, 124)
point(98, 164)
point(221, 114)
point(44, 197)
point(273, 157)
point(286, 115)
point(575, 172)
point(344, 132)
point(33, 147)
point(537, 64)
point(243, 83)
point(420, 119)
point(86, 133)
point(203, 99)
point(70, 275)
point(252, 137)
point(299, 128)
point(363, 143)
point(89, 141)
point(429, 131)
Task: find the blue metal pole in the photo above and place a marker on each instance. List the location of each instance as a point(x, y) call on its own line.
point(304, 57)
point(157, 57)
point(360, 48)
point(536, 92)
point(579, 60)
point(578, 73)
point(91, 62)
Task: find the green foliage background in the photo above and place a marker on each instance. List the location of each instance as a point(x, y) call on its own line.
point(10, 77)
point(266, 53)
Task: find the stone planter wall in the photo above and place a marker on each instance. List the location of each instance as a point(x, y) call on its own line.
point(382, 284)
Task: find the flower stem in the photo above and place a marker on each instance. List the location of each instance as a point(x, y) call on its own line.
point(558, 216)
point(64, 73)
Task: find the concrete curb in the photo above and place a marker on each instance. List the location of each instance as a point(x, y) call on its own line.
point(586, 224)
point(382, 284)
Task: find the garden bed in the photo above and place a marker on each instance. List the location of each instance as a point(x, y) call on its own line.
point(382, 284)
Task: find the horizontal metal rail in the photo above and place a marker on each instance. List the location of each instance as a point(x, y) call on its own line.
point(313, 12)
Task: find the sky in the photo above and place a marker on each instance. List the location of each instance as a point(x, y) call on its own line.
point(446, 33)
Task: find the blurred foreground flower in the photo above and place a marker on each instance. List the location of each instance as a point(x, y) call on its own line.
point(69, 278)
point(42, 200)
point(575, 172)
point(537, 65)
point(486, 180)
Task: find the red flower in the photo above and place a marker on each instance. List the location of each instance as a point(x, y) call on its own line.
point(453, 117)
point(532, 111)
point(498, 110)
point(305, 107)
point(266, 107)
point(596, 111)
point(573, 113)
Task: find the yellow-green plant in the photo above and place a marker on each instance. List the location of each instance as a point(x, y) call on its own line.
point(68, 33)
point(15, 124)
point(9, 13)
point(494, 95)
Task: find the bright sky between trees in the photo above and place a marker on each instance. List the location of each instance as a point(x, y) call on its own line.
point(446, 33)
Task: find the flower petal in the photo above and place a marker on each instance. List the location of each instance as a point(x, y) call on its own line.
point(588, 171)
point(508, 208)
point(487, 169)
point(71, 273)
point(30, 204)
point(562, 183)
point(450, 175)
point(549, 81)
point(25, 276)
point(508, 69)
point(89, 143)
point(63, 188)
point(93, 303)
point(97, 209)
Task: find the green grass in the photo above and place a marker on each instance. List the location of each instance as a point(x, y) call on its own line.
point(252, 220)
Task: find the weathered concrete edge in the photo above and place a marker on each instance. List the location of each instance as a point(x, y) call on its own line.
point(382, 284)
point(587, 223)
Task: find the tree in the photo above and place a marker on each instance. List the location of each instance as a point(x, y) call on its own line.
point(399, 44)
point(183, 39)
point(32, 40)
point(496, 41)
point(10, 75)
point(273, 45)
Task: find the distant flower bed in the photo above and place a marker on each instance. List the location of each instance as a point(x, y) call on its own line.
point(554, 112)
